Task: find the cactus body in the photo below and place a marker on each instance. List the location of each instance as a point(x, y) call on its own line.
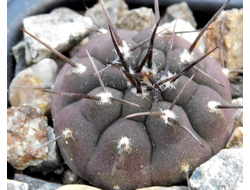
point(156, 150)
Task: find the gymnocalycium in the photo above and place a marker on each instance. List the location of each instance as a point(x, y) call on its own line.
point(140, 107)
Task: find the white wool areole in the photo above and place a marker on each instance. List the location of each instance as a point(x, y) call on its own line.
point(105, 97)
point(168, 85)
point(124, 141)
point(168, 114)
point(79, 69)
point(186, 57)
point(212, 105)
point(125, 50)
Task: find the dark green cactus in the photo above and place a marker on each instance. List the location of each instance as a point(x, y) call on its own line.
point(112, 149)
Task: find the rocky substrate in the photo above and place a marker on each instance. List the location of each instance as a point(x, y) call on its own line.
point(29, 120)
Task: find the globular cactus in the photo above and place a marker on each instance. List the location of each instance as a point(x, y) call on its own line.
point(112, 149)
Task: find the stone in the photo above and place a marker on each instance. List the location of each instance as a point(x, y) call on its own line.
point(238, 113)
point(236, 139)
point(223, 171)
point(116, 9)
point(61, 29)
point(16, 185)
point(179, 11)
point(27, 129)
point(69, 177)
point(236, 90)
point(53, 160)
point(59, 171)
point(42, 74)
point(35, 184)
point(227, 33)
point(19, 55)
point(182, 26)
point(165, 188)
point(77, 187)
point(137, 19)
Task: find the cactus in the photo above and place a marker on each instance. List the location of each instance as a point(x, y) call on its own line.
point(151, 111)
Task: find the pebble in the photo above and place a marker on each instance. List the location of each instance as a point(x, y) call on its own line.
point(222, 171)
point(61, 29)
point(77, 187)
point(182, 26)
point(26, 130)
point(236, 139)
point(238, 113)
point(165, 188)
point(69, 177)
point(236, 90)
point(116, 9)
point(179, 11)
point(42, 74)
point(16, 185)
point(36, 184)
point(19, 55)
point(227, 33)
point(137, 19)
point(53, 160)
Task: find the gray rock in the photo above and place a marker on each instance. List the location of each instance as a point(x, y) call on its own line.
point(19, 54)
point(36, 184)
point(236, 90)
point(223, 171)
point(116, 9)
point(179, 11)
point(137, 19)
point(16, 185)
point(42, 74)
point(61, 29)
